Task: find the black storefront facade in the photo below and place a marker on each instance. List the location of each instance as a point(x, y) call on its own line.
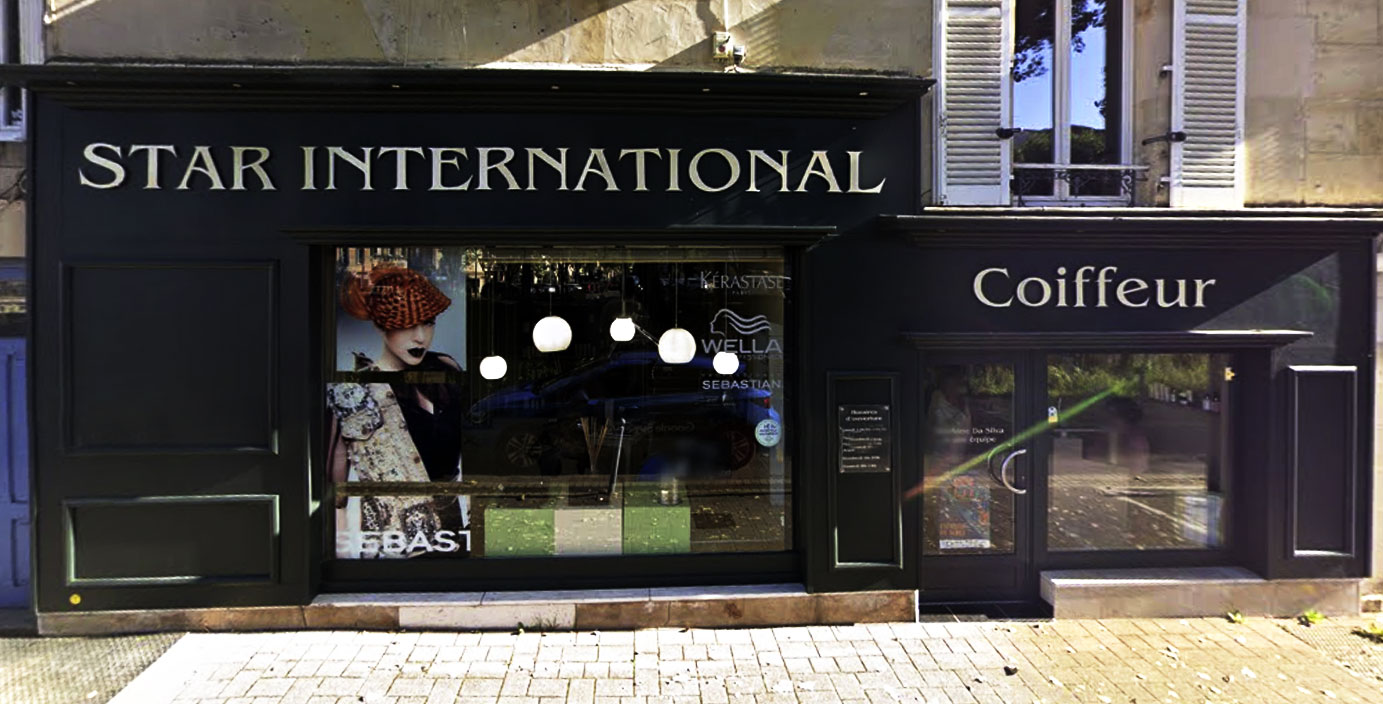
point(257, 294)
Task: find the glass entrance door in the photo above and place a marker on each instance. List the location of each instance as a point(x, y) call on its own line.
point(976, 541)
point(1053, 460)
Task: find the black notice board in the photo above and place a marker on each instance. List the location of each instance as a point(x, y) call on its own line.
point(866, 515)
point(866, 442)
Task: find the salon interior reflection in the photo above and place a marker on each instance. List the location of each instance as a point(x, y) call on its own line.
point(612, 401)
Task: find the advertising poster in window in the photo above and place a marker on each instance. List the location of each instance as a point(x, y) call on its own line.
point(512, 402)
point(966, 421)
point(965, 519)
point(396, 415)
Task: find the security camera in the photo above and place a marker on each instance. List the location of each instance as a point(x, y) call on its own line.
point(738, 54)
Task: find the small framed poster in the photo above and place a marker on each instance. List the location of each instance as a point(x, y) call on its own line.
point(866, 439)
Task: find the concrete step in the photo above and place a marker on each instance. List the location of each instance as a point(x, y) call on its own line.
point(701, 607)
point(1192, 591)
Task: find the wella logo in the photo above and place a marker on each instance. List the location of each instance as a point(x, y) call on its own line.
point(732, 332)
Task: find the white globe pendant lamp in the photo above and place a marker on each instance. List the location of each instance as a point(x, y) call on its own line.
point(676, 346)
point(493, 367)
point(622, 329)
point(552, 334)
point(726, 362)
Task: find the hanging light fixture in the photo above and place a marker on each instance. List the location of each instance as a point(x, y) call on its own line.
point(622, 329)
point(725, 361)
point(676, 346)
point(494, 366)
point(551, 334)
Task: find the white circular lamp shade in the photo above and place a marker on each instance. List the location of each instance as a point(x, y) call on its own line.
point(493, 367)
point(676, 346)
point(622, 329)
point(726, 362)
point(551, 334)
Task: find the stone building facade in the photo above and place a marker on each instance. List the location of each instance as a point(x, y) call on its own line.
point(1312, 69)
point(1308, 132)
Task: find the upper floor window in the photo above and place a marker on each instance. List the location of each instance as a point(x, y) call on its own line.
point(1068, 101)
point(1033, 103)
point(19, 40)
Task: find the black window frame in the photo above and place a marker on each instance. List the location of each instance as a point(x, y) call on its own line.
point(569, 572)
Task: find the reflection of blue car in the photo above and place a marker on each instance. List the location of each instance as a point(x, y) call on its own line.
point(650, 412)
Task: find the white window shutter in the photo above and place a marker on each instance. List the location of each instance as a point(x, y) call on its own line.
point(31, 31)
point(974, 53)
point(1208, 104)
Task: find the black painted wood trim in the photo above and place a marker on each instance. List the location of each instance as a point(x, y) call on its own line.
point(68, 268)
point(1140, 340)
point(1296, 376)
point(616, 571)
point(338, 87)
point(1148, 228)
point(833, 473)
point(713, 236)
point(270, 576)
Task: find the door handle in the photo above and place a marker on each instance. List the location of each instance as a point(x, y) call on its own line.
point(1003, 472)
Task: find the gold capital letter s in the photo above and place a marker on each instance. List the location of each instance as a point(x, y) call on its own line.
point(116, 169)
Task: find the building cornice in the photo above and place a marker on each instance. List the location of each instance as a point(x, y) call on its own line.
point(361, 87)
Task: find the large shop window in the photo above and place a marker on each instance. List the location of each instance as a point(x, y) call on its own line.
point(522, 402)
point(1138, 451)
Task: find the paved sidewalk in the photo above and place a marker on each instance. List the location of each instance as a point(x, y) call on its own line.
point(1196, 660)
point(41, 670)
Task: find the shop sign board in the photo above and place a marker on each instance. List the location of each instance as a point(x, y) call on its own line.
point(479, 169)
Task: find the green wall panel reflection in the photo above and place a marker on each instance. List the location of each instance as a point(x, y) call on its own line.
point(519, 532)
point(652, 528)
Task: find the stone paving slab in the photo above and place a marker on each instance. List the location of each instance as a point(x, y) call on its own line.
point(1346, 645)
point(1125, 661)
point(74, 670)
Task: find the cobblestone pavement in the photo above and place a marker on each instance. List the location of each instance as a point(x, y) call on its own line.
point(1165, 660)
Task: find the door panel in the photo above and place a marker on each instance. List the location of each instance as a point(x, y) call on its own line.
point(14, 471)
point(975, 535)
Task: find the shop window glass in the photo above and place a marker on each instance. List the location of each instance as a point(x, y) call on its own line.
point(1138, 451)
point(1067, 98)
point(969, 418)
point(1034, 84)
point(601, 447)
